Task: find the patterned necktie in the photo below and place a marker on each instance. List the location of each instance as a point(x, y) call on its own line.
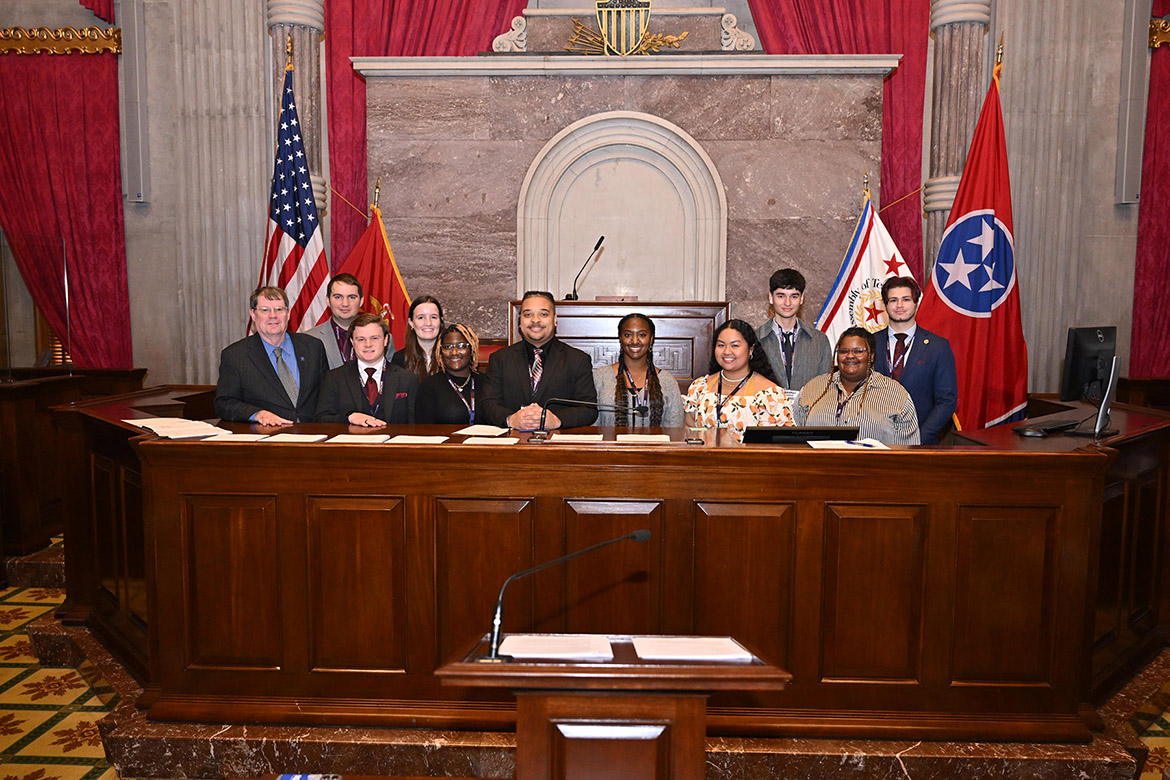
point(788, 356)
point(286, 376)
point(537, 367)
point(371, 387)
point(899, 356)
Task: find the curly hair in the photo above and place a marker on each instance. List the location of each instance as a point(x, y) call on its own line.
point(868, 338)
point(757, 360)
point(622, 389)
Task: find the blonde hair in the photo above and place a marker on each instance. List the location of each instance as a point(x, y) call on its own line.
point(468, 334)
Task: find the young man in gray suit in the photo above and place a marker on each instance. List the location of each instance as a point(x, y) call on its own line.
point(796, 350)
point(345, 297)
point(271, 377)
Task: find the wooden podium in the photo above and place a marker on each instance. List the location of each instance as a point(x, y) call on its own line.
point(626, 718)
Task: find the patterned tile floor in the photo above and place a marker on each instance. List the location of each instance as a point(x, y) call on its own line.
point(48, 717)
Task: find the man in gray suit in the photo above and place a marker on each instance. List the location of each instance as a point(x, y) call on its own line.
point(345, 297)
point(271, 377)
point(796, 350)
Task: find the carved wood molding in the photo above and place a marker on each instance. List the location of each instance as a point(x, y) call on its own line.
point(65, 40)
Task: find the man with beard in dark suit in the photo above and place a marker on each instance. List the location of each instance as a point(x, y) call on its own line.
point(369, 390)
point(271, 377)
point(525, 375)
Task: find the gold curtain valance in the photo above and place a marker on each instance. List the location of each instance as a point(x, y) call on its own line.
point(66, 40)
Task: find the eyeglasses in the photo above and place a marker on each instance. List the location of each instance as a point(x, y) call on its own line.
point(854, 351)
point(458, 345)
point(264, 311)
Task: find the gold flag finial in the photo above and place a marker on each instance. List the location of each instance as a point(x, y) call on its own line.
point(377, 191)
point(999, 50)
point(288, 50)
point(865, 178)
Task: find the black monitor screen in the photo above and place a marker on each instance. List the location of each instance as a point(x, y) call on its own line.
point(1087, 359)
point(797, 434)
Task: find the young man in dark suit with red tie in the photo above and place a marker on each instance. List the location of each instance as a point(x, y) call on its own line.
point(525, 375)
point(918, 359)
point(369, 390)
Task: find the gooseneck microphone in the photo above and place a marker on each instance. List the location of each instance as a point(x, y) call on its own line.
point(573, 295)
point(641, 410)
point(494, 645)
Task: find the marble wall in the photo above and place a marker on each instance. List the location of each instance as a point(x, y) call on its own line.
point(453, 151)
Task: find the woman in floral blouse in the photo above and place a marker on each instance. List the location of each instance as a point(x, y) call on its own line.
point(739, 391)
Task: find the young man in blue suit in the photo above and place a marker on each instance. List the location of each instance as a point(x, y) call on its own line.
point(271, 377)
point(920, 360)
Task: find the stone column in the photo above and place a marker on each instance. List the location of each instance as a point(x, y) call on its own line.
point(960, 50)
point(304, 20)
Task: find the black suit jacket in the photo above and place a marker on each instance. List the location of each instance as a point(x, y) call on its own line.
point(567, 373)
point(248, 383)
point(343, 393)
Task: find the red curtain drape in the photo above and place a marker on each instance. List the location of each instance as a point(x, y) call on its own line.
point(388, 28)
point(870, 27)
point(104, 9)
point(1150, 349)
point(61, 196)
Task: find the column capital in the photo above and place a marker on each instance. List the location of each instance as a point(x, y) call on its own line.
point(301, 13)
point(944, 12)
point(938, 193)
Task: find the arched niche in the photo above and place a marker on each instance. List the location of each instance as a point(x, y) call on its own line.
point(643, 183)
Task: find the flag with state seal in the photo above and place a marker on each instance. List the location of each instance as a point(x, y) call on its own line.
point(856, 297)
point(973, 297)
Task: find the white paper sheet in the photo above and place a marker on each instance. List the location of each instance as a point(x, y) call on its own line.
point(690, 648)
point(557, 648)
point(488, 440)
point(357, 438)
point(643, 438)
point(577, 437)
point(860, 444)
point(295, 438)
point(239, 437)
point(408, 439)
point(481, 430)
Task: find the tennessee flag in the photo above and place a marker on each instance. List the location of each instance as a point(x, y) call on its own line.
point(973, 298)
point(372, 262)
point(856, 298)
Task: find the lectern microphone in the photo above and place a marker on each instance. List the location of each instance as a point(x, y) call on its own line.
point(641, 410)
point(493, 655)
point(573, 295)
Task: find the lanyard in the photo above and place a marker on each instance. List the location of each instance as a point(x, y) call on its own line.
point(459, 392)
point(720, 400)
point(841, 404)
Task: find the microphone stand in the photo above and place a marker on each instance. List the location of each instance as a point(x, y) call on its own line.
point(540, 434)
point(493, 655)
point(573, 295)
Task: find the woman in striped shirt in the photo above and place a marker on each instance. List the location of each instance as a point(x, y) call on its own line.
point(855, 394)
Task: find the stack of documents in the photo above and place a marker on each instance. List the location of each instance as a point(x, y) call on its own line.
point(691, 648)
point(589, 647)
point(177, 427)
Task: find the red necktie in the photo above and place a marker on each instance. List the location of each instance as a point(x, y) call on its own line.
point(899, 356)
point(371, 388)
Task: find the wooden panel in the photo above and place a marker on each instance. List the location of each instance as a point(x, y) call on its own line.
point(133, 552)
point(600, 751)
point(745, 559)
point(615, 590)
point(873, 592)
point(357, 583)
point(230, 572)
point(1004, 594)
point(107, 525)
point(479, 543)
point(1147, 523)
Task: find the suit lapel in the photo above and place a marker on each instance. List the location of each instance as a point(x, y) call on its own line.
point(264, 367)
point(521, 375)
point(550, 368)
point(881, 360)
point(389, 391)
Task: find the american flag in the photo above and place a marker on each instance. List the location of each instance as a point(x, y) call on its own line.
point(294, 258)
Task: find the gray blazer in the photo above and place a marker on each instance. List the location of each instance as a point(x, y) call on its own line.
point(672, 403)
point(324, 333)
point(811, 354)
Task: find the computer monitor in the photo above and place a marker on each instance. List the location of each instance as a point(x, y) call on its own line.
point(789, 434)
point(1087, 359)
point(1100, 420)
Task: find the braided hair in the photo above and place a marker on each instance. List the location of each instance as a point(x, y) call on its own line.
point(468, 335)
point(622, 391)
point(867, 337)
point(757, 361)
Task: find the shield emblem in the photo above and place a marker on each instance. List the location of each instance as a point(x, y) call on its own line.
point(623, 24)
